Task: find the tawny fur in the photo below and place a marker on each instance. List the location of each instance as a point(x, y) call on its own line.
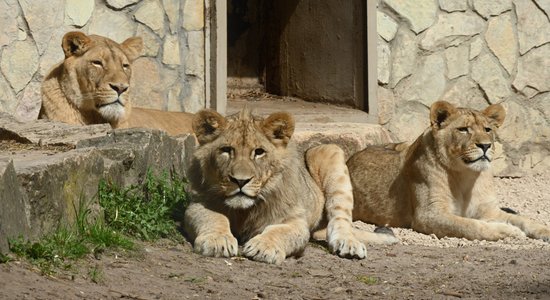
point(435, 185)
point(249, 184)
point(91, 86)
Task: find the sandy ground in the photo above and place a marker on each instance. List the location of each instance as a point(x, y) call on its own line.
point(419, 267)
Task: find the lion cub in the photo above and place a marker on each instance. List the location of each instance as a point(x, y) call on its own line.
point(440, 184)
point(249, 184)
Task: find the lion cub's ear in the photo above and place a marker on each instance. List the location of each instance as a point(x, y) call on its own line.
point(75, 43)
point(278, 128)
point(440, 111)
point(496, 113)
point(207, 125)
point(132, 47)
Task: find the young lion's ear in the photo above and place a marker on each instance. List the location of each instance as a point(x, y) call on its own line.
point(278, 128)
point(132, 47)
point(75, 43)
point(496, 113)
point(207, 125)
point(440, 111)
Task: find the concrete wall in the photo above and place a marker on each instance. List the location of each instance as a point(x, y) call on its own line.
point(169, 76)
point(470, 53)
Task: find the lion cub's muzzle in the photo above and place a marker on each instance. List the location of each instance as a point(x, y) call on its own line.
point(243, 195)
point(479, 157)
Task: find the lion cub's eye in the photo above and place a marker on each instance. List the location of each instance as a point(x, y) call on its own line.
point(125, 66)
point(488, 129)
point(97, 63)
point(463, 129)
point(259, 152)
point(226, 149)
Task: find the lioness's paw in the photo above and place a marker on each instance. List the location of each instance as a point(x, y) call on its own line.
point(260, 249)
point(349, 247)
point(215, 244)
point(498, 231)
point(542, 234)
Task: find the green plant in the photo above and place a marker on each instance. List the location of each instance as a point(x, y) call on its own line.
point(4, 258)
point(96, 274)
point(144, 211)
point(367, 279)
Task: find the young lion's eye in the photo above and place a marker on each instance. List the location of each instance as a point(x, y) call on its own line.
point(97, 63)
point(125, 66)
point(463, 129)
point(259, 152)
point(488, 129)
point(226, 149)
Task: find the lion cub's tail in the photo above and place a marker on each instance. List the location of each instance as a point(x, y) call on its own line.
point(380, 236)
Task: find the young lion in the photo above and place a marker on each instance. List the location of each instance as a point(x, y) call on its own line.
point(249, 184)
point(440, 184)
point(91, 86)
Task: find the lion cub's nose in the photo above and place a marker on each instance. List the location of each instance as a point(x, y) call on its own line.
point(240, 182)
point(484, 147)
point(119, 87)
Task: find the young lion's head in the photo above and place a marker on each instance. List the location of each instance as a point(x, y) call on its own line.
point(241, 157)
point(465, 137)
point(96, 74)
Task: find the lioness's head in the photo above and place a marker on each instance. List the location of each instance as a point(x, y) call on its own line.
point(241, 156)
point(98, 73)
point(465, 137)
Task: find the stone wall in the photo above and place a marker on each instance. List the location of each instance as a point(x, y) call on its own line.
point(470, 53)
point(170, 73)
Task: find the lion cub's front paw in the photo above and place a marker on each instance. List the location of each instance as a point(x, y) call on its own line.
point(216, 244)
point(498, 231)
point(542, 233)
point(261, 249)
point(349, 247)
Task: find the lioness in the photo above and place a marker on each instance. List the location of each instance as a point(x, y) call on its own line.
point(440, 184)
point(250, 184)
point(91, 86)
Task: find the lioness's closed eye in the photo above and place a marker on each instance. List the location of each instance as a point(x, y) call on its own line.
point(441, 183)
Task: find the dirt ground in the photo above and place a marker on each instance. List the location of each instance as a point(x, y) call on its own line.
point(419, 267)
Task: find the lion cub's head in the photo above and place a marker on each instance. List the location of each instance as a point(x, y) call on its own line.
point(97, 73)
point(465, 137)
point(241, 157)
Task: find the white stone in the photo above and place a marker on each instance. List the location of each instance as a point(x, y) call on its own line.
point(53, 54)
point(151, 14)
point(29, 106)
point(194, 60)
point(145, 84)
point(421, 14)
point(501, 39)
point(104, 21)
point(386, 26)
point(120, 4)
point(383, 61)
point(151, 44)
point(193, 15)
point(545, 5)
point(404, 55)
point(457, 61)
point(453, 5)
point(43, 17)
point(465, 92)
point(486, 71)
point(194, 98)
point(533, 26)
point(386, 105)
point(520, 125)
point(534, 70)
point(171, 50)
point(78, 12)
point(450, 28)
point(8, 101)
point(174, 103)
point(8, 24)
point(427, 84)
point(409, 121)
point(19, 63)
point(476, 45)
point(492, 7)
point(172, 9)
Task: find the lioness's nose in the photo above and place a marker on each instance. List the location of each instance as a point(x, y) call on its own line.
point(240, 182)
point(484, 147)
point(119, 87)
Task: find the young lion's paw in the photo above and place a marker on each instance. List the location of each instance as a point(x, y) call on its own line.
point(216, 244)
point(500, 231)
point(542, 233)
point(349, 247)
point(260, 249)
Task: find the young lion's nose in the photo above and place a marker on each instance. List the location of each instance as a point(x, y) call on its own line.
point(484, 147)
point(119, 87)
point(240, 182)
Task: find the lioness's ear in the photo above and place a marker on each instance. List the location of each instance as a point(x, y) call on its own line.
point(132, 47)
point(439, 112)
point(207, 125)
point(75, 43)
point(496, 113)
point(278, 128)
